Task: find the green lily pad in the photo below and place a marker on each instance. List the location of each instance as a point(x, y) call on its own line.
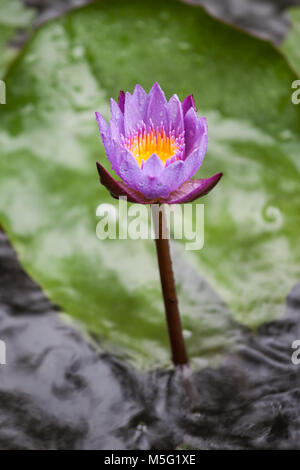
point(290, 46)
point(13, 16)
point(50, 190)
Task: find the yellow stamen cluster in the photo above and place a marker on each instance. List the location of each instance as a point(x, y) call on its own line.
point(144, 144)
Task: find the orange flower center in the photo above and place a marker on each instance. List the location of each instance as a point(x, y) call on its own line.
point(143, 144)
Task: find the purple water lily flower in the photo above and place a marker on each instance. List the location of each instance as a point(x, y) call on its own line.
point(155, 146)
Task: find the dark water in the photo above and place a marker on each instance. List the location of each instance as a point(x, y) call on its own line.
point(266, 19)
point(58, 391)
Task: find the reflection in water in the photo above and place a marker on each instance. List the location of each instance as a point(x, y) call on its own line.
point(58, 391)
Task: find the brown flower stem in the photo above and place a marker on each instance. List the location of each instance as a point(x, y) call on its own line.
point(179, 355)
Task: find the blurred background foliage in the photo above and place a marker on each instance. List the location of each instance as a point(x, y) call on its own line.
point(49, 187)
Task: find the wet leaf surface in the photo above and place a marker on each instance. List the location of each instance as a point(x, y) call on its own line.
point(58, 391)
point(264, 18)
point(290, 46)
point(13, 16)
point(50, 191)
